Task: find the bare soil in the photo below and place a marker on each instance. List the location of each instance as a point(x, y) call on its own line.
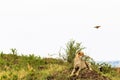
point(89, 75)
point(84, 75)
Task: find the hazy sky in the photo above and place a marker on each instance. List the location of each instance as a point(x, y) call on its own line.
point(44, 26)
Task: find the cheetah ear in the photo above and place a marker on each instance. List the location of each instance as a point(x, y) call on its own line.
point(81, 54)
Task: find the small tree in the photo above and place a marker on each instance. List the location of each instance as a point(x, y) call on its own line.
point(14, 51)
point(71, 48)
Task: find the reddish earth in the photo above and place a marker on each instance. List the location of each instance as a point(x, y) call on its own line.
point(89, 75)
point(84, 75)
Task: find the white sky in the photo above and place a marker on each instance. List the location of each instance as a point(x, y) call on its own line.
point(44, 26)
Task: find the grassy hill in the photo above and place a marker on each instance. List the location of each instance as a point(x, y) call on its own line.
point(31, 67)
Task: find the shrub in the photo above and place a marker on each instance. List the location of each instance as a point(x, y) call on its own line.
point(71, 47)
point(105, 68)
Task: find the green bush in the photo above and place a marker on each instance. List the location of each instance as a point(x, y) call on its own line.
point(71, 47)
point(105, 68)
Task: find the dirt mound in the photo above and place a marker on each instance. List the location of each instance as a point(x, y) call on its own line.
point(89, 75)
point(84, 75)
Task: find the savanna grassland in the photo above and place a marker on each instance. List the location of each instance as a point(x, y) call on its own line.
point(31, 67)
point(15, 67)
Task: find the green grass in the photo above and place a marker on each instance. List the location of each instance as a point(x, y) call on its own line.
point(31, 67)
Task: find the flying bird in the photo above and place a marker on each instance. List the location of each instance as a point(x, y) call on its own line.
point(97, 27)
